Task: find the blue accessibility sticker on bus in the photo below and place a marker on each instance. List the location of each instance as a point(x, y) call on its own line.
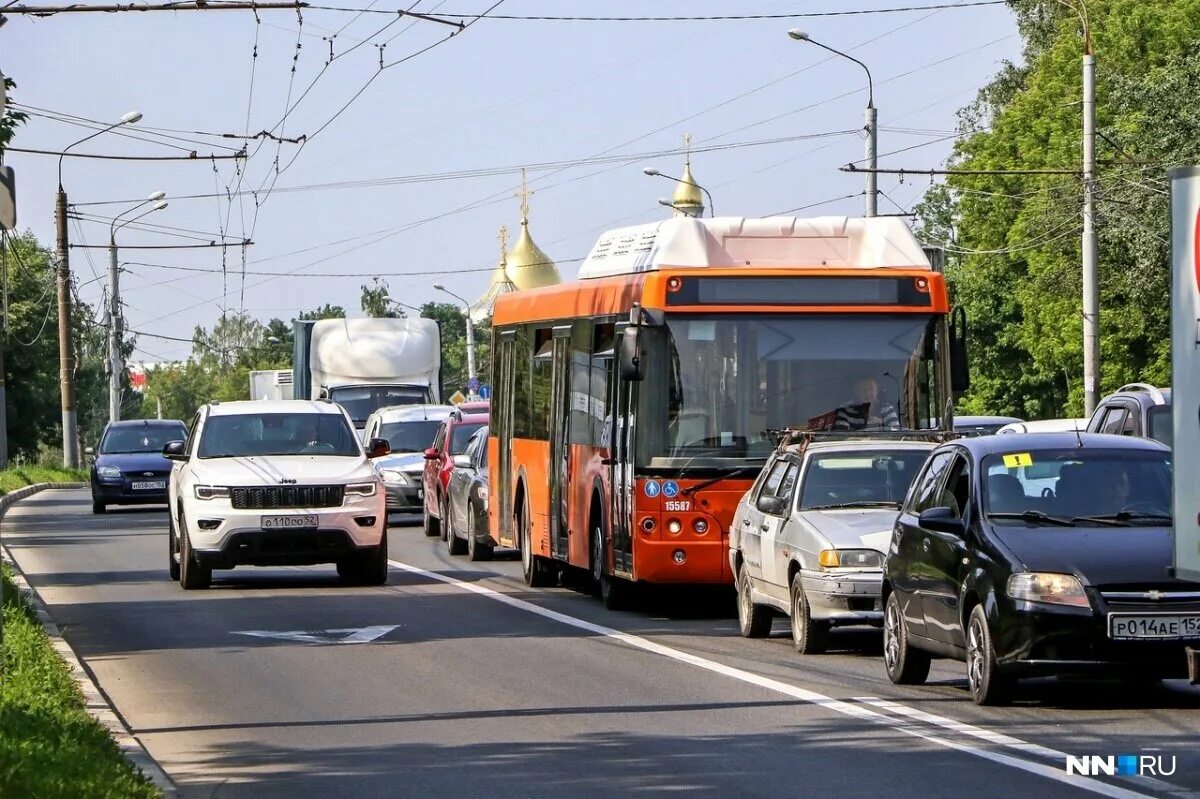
point(670, 489)
point(651, 488)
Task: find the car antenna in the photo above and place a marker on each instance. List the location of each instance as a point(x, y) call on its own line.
point(1078, 438)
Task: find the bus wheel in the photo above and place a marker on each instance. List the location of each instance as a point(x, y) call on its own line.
point(537, 571)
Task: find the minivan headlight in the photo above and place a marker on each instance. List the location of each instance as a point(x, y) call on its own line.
point(1048, 587)
point(394, 476)
point(212, 492)
point(361, 489)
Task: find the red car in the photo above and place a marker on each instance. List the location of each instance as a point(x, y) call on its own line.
point(451, 439)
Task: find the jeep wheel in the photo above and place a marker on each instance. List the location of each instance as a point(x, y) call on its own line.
point(192, 576)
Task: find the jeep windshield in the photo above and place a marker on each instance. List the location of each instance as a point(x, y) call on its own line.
point(261, 434)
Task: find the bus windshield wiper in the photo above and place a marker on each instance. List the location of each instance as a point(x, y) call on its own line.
point(714, 480)
point(863, 503)
point(1035, 517)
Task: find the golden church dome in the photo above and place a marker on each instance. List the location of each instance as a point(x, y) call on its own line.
point(527, 266)
point(688, 199)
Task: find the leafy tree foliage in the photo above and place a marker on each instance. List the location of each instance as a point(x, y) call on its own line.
point(376, 303)
point(1014, 240)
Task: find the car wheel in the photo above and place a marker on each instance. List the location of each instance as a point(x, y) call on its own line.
point(98, 507)
point(375, 564)
point(988, 685)
point(809, 637)
point(192, 575)
point(477, 550)
point(537, 572)
point(754, 621)
point(905, 665)
point(172, 547)
point(454, 544)
point(432, 524)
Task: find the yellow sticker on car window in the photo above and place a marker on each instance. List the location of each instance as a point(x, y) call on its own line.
point(1018, 459)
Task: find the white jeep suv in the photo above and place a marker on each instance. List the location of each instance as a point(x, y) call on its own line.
point(275, 483)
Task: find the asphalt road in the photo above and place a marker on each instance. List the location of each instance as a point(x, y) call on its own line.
point(455, 679)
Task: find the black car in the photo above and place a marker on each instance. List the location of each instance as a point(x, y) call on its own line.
point(1136, 409)
point(1040, 554)
point(129, 468)
point(467, 501)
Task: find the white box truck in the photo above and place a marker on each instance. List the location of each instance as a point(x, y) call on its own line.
point(367, 364)
point(272, 384)
point(1185, 366)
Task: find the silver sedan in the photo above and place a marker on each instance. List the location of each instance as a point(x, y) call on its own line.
point(809, 538)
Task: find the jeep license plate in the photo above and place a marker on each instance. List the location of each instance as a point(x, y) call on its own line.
point(305, 521)
point(149, 485)
point(1164, 626)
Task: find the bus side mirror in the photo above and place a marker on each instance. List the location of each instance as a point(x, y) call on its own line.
point(631, 358)
point(960, 373)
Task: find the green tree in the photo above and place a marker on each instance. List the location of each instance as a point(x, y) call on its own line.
point(326, 311)
point(1014, 239)
point(376, 303)
point(11, 118)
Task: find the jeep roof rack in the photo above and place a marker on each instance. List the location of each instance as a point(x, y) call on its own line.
point(1155, 394)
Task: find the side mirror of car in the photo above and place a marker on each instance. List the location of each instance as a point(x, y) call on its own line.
point(89, 451)
point(941, 520)
point(432, 454)
point(463, 462)
point(173, 451)
point(775, 506)
point(378, 447)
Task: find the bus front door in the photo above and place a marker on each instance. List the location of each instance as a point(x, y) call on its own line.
point(621, 472)
point(560, 420)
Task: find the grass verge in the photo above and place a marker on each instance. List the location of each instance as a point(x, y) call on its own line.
point(21, 476)
point(49, 745)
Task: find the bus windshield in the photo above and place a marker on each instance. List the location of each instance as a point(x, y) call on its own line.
point(716, 386)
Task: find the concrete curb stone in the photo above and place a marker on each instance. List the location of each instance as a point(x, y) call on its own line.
point(95, 701)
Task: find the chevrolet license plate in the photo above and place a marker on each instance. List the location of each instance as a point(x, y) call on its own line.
point(304, 521)
point(1153, 626)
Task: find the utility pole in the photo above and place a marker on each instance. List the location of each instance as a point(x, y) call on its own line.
point(66, 351)
point(3, 343)
point(872, 125)
point(1091, 280)
point(115, 367)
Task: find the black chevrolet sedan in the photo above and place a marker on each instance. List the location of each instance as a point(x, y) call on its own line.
point(129, 467)
point(1040, 554)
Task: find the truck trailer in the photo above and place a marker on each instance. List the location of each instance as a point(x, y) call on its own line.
point(366, 364)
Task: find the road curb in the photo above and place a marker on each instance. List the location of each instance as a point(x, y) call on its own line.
point(94, 699)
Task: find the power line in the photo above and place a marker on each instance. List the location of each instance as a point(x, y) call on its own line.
point(199, 5)
point(715, 18)
point(420, 273)
point(191, 157)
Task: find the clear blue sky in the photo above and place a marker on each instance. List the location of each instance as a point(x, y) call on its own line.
point(501, 94)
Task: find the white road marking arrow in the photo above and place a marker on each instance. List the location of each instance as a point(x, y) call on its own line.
point(344, 635)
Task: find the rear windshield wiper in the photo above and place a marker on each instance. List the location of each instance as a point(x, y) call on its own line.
point(1035, 517)
point(876, 503)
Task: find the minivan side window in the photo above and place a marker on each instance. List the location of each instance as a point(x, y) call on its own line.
point(1113, 421)
point(926, 488)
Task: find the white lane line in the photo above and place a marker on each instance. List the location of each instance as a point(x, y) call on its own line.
point(1000, 739)
point(812, 697)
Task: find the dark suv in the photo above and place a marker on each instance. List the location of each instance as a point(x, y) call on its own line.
point(129, 467)
point(1137, 409)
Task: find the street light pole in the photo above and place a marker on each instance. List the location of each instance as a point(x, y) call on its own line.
point(66, 351)
point(871, 119)
point(471, 376)
point(116, 364)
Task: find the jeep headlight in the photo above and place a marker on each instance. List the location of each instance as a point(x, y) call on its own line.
point(212, 492)
point(394, 476)
point(361, 489)
point(1048, 587)
point(850, 559)
point(108, 471)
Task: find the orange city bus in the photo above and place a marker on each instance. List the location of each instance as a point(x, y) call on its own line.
point(634, 407)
